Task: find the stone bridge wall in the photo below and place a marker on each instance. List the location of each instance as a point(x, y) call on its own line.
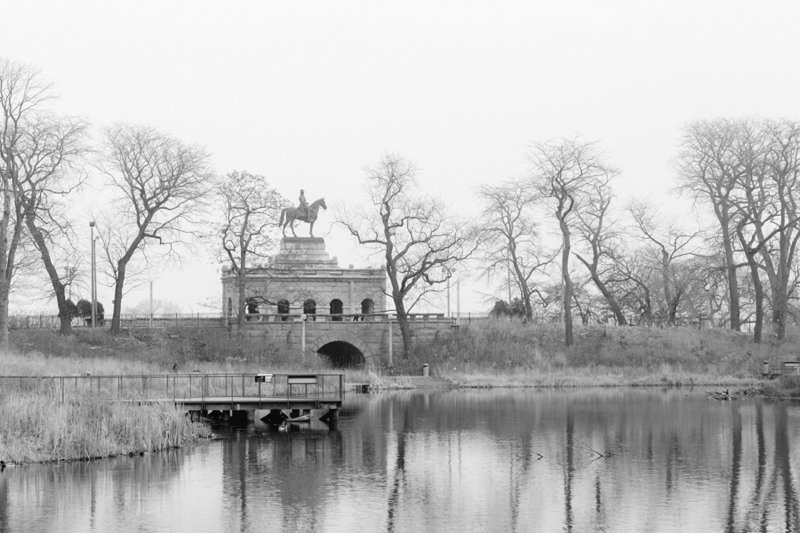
point(371, 338)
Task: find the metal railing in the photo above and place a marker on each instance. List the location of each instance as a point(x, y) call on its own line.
point(340, 317)
point(178, 387)
point(205, 320)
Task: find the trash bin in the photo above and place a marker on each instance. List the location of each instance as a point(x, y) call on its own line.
point(425, 370)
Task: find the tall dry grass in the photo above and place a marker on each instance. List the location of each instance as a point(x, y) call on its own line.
point(35, 428)
point(511, 353)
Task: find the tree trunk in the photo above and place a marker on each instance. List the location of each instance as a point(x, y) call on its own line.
point(733, 283)
point(779, 315)
point(759, 298)
point(525, 291)
point(667, 288)
point(64, 317)
point(568, 289)
point(758, 287)
point(4, 291)
point(5, 268)
point(241, 312)
point(116, 319)
point(405, 327)
point(526, 300)
point(601, 286)
point(241, 281)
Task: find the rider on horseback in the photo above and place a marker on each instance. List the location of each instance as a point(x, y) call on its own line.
point(303, 207)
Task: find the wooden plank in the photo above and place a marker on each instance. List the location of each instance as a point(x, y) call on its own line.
point(790, 367)
point(302, 379)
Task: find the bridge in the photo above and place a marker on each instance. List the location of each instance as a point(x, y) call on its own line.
point(347, 339)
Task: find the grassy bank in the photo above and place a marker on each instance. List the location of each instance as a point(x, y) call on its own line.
point(783, 387)
point(501, 353)
point(493, 353)
point(35, 428)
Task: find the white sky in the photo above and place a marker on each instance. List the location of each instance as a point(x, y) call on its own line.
point(310, 93)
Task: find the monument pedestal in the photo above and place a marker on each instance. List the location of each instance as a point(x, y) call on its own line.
point(303, 252)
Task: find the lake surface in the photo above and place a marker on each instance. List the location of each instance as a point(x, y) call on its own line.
point(510, 460)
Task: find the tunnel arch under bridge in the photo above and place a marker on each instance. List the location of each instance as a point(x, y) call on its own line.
point(342, 348)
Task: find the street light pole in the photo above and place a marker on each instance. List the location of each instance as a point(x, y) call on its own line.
point(448, 296)
point(94, 281)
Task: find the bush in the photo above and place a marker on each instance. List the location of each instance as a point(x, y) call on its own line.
point(72, 309)
point(84, 308)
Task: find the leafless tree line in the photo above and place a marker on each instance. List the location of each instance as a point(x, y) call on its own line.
point(640, 266)
point(156, 188)
point(557, 237)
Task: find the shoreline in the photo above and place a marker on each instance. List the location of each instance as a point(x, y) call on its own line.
point(202, 432)
point(491, 355)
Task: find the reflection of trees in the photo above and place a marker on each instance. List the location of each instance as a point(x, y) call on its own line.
point(569, 470)
point(4, 507)
point(783, 468)
point(736, 464)
point(399, 470)
point(279, 477)
point(461, 460)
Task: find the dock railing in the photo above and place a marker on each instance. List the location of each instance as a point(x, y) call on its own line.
point(179, 387)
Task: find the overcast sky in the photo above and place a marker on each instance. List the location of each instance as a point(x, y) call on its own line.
point(310, 93)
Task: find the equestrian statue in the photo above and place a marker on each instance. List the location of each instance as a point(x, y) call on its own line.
point(303, 212)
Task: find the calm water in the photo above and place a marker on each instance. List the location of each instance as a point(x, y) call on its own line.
point(605, 460)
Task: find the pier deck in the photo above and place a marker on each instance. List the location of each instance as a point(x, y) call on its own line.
point(195, 391)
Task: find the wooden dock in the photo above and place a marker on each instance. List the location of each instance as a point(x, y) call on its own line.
point(775, 368)
point(196, 392)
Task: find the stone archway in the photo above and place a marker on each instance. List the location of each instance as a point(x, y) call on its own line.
point(342, 341)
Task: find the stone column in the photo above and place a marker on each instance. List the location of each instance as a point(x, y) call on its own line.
point(351, 305)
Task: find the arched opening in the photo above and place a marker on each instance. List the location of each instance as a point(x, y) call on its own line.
point(367, 307)
point(342, 354)
point(251, 309)
point(337, 308)
point(283, 308)
point(310, 308)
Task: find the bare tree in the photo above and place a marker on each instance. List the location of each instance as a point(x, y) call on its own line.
point(510, 237)
point(672, 244)
point(21, 95)
point(562, 172)
point(48, 149)
point(635, 273)
point(414, 235)
point(710, 169)
point(36, 148)
point(596, 229)
point(251, 208)
point(771, 191)
point(161, 182)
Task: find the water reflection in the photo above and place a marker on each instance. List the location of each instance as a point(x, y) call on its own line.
point(597, 460)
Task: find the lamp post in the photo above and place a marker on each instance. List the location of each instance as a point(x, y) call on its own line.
point(446, 272)
point(508, 275)
point(94, 280)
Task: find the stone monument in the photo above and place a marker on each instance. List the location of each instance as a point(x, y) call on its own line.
point(303, 278)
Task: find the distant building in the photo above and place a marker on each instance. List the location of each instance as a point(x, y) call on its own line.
point(302, 278)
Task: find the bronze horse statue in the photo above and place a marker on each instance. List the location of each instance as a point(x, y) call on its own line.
point(290, 214)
